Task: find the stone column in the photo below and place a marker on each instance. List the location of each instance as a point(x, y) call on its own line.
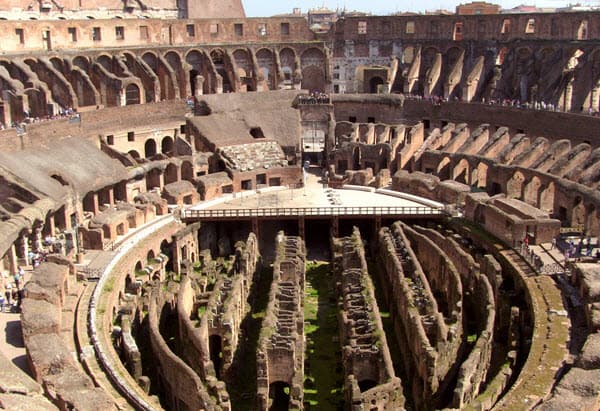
point(36, 237)
point(198, 86)
point(12, 258)
point(24, 245)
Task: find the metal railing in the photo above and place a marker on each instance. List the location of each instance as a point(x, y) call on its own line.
point(313, 211)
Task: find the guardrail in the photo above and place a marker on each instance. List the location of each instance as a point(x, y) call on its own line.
point(312, 211)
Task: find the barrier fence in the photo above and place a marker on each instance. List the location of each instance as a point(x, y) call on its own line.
point(313, 212)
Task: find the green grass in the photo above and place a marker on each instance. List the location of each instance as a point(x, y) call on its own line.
point(323, 384)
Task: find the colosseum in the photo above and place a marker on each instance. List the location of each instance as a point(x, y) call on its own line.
point(205, 211)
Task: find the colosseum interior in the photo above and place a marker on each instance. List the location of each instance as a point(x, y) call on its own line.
point(204, 211)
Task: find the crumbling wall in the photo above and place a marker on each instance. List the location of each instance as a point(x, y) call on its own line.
point(50, 358)
point(181, 381)
point(370, 379)
point(280, 354)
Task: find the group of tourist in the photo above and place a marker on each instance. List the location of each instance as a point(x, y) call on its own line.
point(10, 300)
point(316, 97)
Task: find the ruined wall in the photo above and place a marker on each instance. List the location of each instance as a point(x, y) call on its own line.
point(419, 325)
point(370, 379)
point(46, 315)
point(183, 384)
point(479, 307)
point(280, 354)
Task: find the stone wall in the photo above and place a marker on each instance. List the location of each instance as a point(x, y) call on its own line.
point(183, 385)
point(370, 379)
point(280, 354)
point(418, 322)
point(46, 319)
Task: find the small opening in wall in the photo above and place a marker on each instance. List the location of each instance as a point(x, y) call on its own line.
point(256, 132)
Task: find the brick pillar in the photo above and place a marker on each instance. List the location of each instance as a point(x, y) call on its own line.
point(12, 257)
point(24, 245)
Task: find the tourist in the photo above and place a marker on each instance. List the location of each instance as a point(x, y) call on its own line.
point(8, 292)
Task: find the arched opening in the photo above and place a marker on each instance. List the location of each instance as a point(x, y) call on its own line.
point(150, 256)
point(153, 179)
point(279, 396)
point(530, 193)
point(138, 268)
point(132, 95)
point(461, 172)
point(546, 201)
point(134, 154)
point(170, 174)
point(366, 385)
point(150, 148)
point(166, 146)
point(187, 171)
point(374, 84)
point(218, 59)
point(215, 347)
point(166, 249)
point(193, 75)
point(128, 283)
point(514, 186)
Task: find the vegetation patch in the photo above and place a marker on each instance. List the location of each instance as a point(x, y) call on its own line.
point(323, 383)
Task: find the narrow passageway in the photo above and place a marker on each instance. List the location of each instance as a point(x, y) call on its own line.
point(323, 381)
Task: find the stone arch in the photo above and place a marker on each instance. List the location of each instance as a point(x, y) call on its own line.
point(174, 60)
point(137, 268)
point(531, 191)
point(58, 64)
point(166, 248)
point(460, 173)
point(514, 186)
point(220, 60)
point(198, 61)
point(38, 102)
point(313, 69)
point(245, 72)
point(149, 148)
point(279, 394)
point(151, 59)
point(266, 62)
point(106, 61)
point(289, 67)
point(452, 55)
point(82, 62)
point(150, 255)
point(166, 146)
point(546, 201)
point(153, 179)
point(170, 173)
point(187, 171)
point(132, 95)
point(134, 154)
